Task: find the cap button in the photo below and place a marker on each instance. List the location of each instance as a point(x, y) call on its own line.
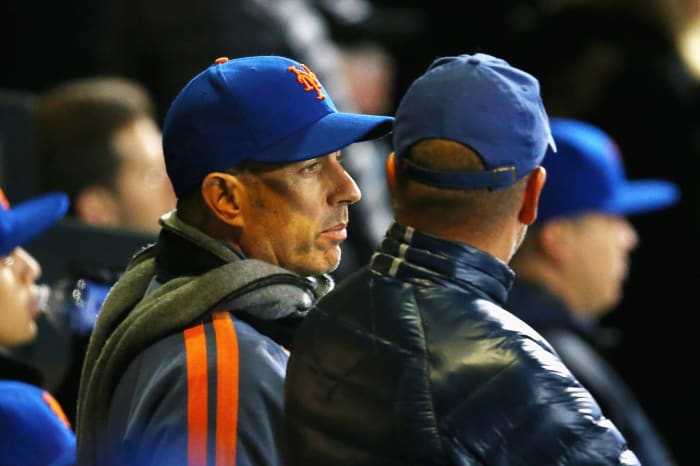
point(221, 60)
point(473, 60)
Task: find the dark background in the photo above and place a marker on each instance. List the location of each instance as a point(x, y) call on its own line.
point(613, 67)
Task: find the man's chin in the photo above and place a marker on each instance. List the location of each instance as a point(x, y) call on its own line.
point(327, 262)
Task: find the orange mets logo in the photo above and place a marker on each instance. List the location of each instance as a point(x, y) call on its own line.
point(307, 77)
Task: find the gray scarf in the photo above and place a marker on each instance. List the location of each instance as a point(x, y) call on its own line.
point(136, 314)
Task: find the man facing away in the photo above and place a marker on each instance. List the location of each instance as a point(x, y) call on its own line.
point(414, 360)
point(187, 361)
point(573, 263)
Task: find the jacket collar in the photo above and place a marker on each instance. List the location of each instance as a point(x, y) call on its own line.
point(184, 250)
point(411, 255)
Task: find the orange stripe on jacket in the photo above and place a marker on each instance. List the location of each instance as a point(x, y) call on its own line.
point(227, 389)
point(196, 351)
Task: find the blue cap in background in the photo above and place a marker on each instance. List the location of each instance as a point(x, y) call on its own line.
point(34, 430)
point(264, 109)
point(484, 103)
point(587, 175)
point(21, 223)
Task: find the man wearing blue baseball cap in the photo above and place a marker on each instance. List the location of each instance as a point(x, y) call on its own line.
point(572, 265)
point(187, 360)
point(415, 360)
point(34, 431)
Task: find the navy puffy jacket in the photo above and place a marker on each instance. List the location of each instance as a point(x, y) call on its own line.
point(414, 361)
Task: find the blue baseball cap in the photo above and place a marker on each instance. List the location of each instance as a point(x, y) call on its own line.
point(35, 431)
point(21, 223)
point(587, 175)
point(263, 109)
point(484, 103)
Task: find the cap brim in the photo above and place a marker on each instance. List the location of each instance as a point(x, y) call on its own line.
point(644, 195)
point(331, 133)
point(24, 221)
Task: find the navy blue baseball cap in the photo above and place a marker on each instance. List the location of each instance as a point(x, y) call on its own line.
point(263, 109)
point(35, 431)
point(587, 175)
point(22, 222)
point(484, 103)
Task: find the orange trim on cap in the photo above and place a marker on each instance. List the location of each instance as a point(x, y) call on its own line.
point(3, 200)
point(55, 407)
point(196, 353)
point(227, 389)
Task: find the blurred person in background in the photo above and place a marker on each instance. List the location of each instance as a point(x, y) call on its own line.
point(97, 139)
point(628, 75)
point(571, 268)
point(34, 429)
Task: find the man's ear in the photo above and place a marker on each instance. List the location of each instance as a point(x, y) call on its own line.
point(97, 206)
point(223, 194)
point(391, 172)
point(531, 198)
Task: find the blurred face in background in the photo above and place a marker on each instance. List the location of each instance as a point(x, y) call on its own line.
point(142, 190)
point(598, 261)
point(19, 272)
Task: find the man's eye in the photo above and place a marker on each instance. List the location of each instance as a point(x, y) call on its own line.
point(311, 166)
